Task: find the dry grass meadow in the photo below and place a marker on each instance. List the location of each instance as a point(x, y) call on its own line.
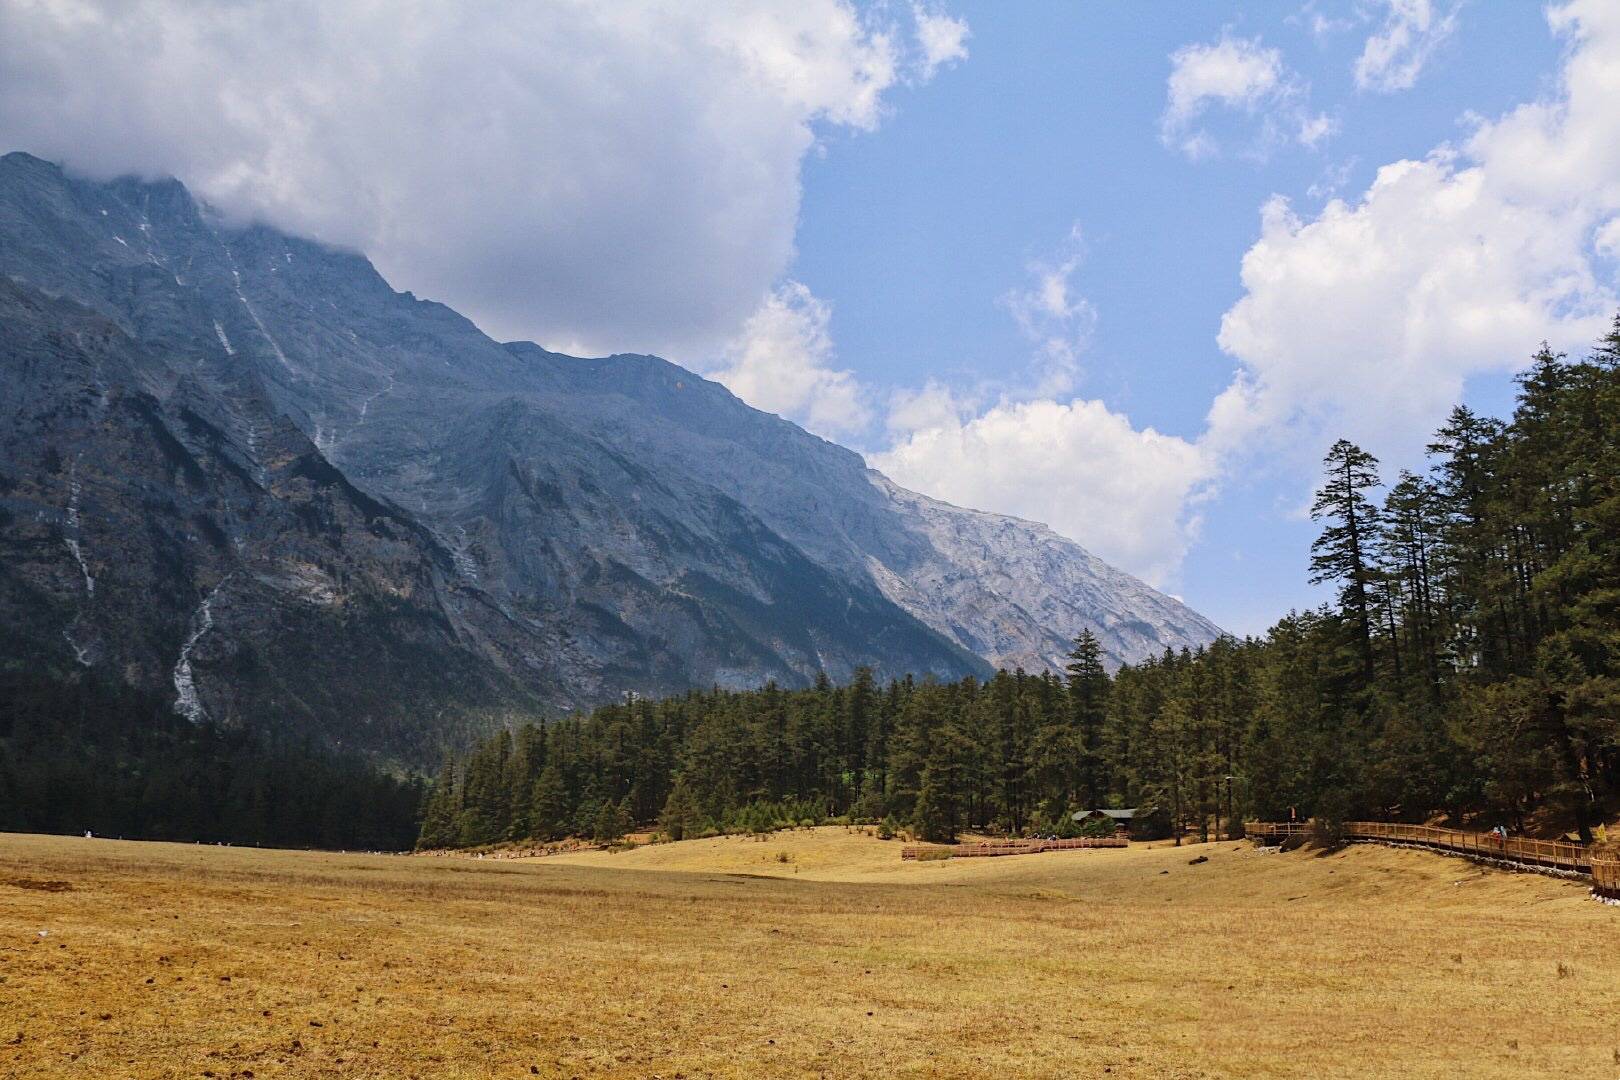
point(812, 954)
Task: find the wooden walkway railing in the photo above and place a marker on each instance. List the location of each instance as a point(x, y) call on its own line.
point(1275, 830)
point(1552, 854)
point(1561, 855)
point(1011, 847)
point(1606, 875)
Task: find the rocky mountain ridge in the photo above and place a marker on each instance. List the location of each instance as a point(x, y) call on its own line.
point(239, 462)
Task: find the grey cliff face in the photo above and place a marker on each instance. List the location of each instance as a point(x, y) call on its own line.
point(239, 464)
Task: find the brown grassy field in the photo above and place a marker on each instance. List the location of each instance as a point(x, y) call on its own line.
point(811, 954)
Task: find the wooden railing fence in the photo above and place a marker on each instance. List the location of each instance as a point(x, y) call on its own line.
point(1606, 875)
point(1011, 847)
point(1603, 866)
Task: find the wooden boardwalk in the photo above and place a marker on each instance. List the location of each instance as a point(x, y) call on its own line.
point(1606, 876)
point(1009, 847)
point(1558, 856)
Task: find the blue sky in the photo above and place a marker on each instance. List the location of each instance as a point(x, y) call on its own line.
point(913, 234)
point(1120, 268)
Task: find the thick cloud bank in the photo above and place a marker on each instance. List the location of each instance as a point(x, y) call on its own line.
point(593, 176)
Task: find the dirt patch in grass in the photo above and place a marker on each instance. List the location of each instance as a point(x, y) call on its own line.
point(40, 886)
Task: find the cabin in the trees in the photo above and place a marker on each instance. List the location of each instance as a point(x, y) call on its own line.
point(1134, 823)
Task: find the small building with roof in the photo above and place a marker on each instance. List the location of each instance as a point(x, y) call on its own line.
point(1135, 822)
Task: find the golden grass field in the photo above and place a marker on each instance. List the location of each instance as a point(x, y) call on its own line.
point(812, 954)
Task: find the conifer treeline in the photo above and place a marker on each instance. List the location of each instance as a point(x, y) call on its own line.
point(1469, 667)
point(943, 756)
point(86, 755)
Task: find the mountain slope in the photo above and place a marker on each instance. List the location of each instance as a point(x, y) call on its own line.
point(140, 539)
point(558, 530)
point(1011, 591)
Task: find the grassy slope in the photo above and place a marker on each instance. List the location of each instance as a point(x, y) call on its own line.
point(713, 958)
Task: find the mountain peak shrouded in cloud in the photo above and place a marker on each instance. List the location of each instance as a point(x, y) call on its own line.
point(374, 472)
point(861, 214)
point(594, 176)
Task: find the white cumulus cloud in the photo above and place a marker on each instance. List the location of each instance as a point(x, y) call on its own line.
point(1054, 318)
point(1242, 75)
point(1606, 240)
point(1127, 495)
point(1367, 319)
point(1314, 129)
point(594, 176)
point(932, 405)
point(1029, 448)
point(1394, 56)
point(941, 37)
point(782, 362)
point(1233, 72)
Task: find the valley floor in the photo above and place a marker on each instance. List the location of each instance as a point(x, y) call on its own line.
point(814, 953)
